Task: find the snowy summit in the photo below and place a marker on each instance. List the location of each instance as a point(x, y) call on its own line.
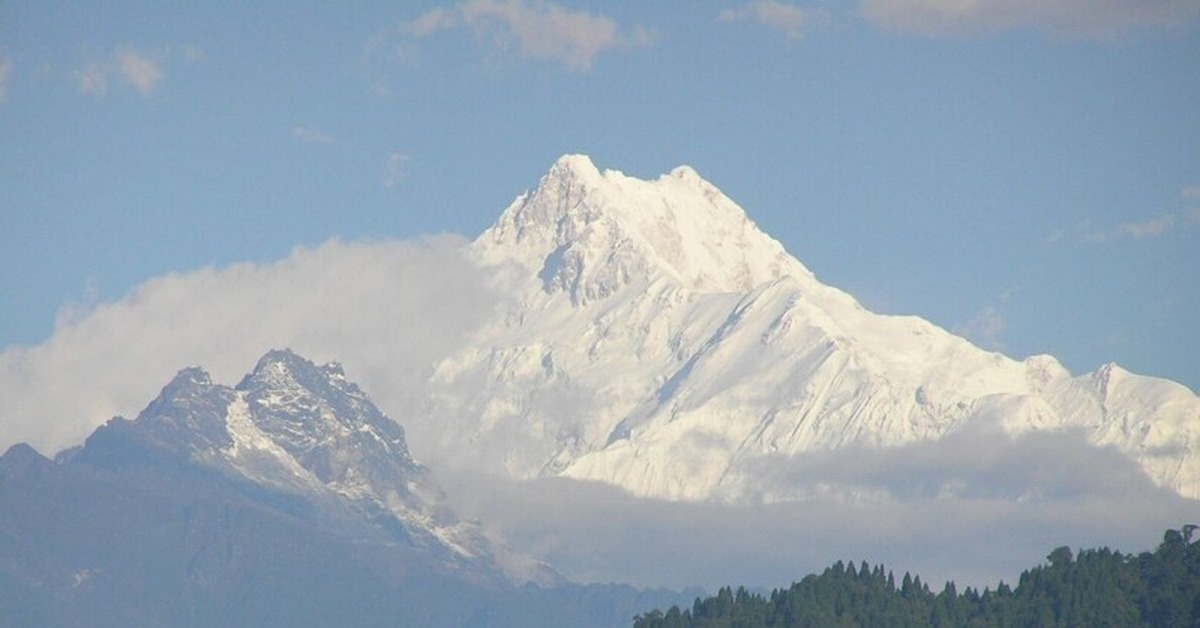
point(591, 233)
point(660, 342)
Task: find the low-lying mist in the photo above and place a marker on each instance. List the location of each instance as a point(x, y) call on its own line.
point(975, 508)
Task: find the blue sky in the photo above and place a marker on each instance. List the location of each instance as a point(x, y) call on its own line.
point(1027, 175)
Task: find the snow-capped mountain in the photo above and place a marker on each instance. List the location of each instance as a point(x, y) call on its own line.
point(659, 341)
point(289, 499)
point(304, 432)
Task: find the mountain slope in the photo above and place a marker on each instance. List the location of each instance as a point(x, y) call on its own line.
point(304, 433)
point(289, 499)
point(659, 341)
point(150, 543)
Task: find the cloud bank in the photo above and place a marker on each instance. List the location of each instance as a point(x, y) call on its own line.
point(387, 310)
point(1060, 17)
point(976, 508)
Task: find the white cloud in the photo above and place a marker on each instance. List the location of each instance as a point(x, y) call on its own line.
point(789, 19)
point(393, 169)
point(1149, 228)
point(309, 135)
point(537, 30)
point(387, 310)
point(1186, 217)
point(6, 68)
point(140, 70)
point(1146, 229)
point(545, 31)
point(1060, 17)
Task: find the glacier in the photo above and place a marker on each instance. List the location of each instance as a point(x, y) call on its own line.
point(658, 341)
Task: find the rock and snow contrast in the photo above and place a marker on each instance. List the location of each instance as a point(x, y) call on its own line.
point(304, 432)
point(289, 499)
point(649, 339)
point(659, 341)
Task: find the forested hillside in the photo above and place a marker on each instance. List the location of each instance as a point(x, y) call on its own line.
point(1096, 588)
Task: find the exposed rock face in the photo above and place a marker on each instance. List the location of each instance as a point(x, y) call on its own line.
point(307, 433)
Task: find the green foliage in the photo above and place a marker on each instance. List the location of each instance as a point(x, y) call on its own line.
point(1095, 588)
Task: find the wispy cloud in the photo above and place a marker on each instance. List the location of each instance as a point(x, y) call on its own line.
point(193, 53)
point(139, 70)
point(394, 169)
point(6, 69)
point(431, 22)
point(1151, 228)
point(536, 30)
point(985, 328)
point(1060, 17)
point(126, 65)
point(93, 78)
point(310, 135)
point(788, 19)
point(1186, 217)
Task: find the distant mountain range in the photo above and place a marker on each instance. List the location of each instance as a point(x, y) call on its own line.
point(660, 342)
point(655, 340)
point(289, 499)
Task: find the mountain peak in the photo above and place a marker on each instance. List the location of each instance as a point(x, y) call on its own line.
point(573, 166)
point(588, 233)
point(687, 173)
point(283, 368)
point(184, 395)
point(282, 358)
point(308, 408)
point(190, 377)
point(25, 455)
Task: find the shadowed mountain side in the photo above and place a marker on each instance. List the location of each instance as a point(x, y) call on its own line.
point(85, 545)
point(288, 500)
